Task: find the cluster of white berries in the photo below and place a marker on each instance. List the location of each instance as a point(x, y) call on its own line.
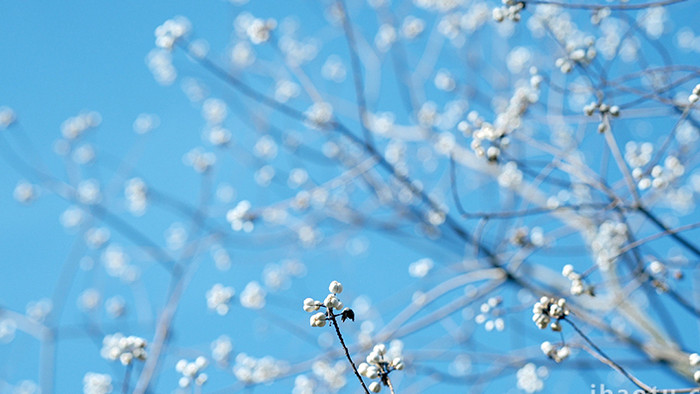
point(89, 299)
point(253, 296)
point(599, 15)
point(660, 176)
point(530, 378)
point(219, 297)
point(259, 30)
point(331, 302)
point(378, 366)
point(638, 154)
point(135, 193)
point(660, 274)
point(303, 385)
point(385, 38)
point(221, 349)
point(332, 375)
point(286, 90)
point(84, 154)
point(125, 349)
point(412, 27)
point(695, 96)
point(319, 114)
point(489, 317)
point(192, 371)
point(528, 237)
point(298, 52)
point(509, 10)
point(578, 286)
point(115, 306)
point(428, 115)
point(694, 360)
point(75, 126)
point(96, 237)
point(249, 369)
point(115, 260)
point(488, 138)
point(214, 111)
point(89, 191)
point(160, 63)
point(199, 159)
point(606, 241)
point(445, 81)
point(266, 148)
point(548, 310)
point(97, 383)
point(172, 30)
point(557, 354)
point(581, 55)
point(510, 175)
point(603, 108)
point(39, 310)
point(240, 217)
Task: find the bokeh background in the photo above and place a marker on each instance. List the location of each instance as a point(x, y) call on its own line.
point(62, 59)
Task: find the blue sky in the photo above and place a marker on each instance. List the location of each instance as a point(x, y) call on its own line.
point(63, 58)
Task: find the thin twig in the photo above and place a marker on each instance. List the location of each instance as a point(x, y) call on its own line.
point(391, 386)
point(334, 323)
point(680, 239)
point(607, 360)
point(650, 238)
point(357, 73)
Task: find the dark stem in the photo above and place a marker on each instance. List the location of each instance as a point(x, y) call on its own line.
point(610, 362)
point(680, 239)
point(334, 323)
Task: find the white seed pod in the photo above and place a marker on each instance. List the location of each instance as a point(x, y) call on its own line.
point(335, 287)
point(372, 372)
point(318, 320)
point(330, 301)
point(362, 369)
point(373, 358)
point(311, 305)
point(380, 348)
point(694, 359)
point(546, 347)
point(567, 270)
point(397, 363)
point(563, 353)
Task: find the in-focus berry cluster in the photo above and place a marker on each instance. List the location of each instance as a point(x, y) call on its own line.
point(378, 365)
point(557, 354)
point(549, 310)
point(578, 285)
point(331, 302)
